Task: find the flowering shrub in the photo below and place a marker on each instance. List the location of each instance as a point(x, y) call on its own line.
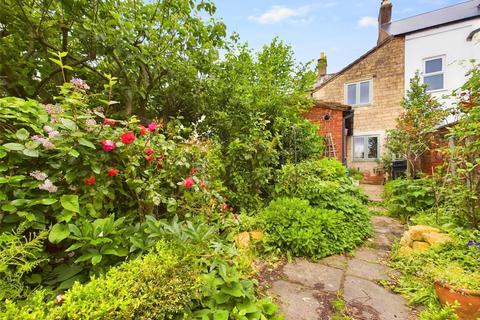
point(90, 179)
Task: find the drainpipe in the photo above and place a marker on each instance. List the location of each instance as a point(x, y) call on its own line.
point(348, 116)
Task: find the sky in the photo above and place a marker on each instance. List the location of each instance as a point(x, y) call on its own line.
point(343, 29)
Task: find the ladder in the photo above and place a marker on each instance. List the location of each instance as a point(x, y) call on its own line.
point(329, 150)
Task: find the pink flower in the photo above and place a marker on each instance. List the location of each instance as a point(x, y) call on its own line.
point(152, 126)
point(143, 130)
point(193, 171)
point(59, 298)
point(128, 137)
point(53, 109)
point(224, 207)
point(39, 175)
point(112, 172)
point(48, 129)
point(80, 84)
point(203, 184)
point(53, 134)
point(108, 145)
point(109, 122)
point(188, 182)
point(149, 157)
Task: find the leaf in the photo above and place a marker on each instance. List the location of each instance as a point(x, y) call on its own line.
point(86, 143)
point(31, 153)
point(235, 290)
point(221, 315)
point(14, 146)
point(48, 201)
point(74, 153)
point(70, 202)
point(22, 134)
point(69, 124)
point(3, 153)
point(59, 232)
point(96, 259)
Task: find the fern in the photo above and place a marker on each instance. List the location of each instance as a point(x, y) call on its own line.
point(19, 255)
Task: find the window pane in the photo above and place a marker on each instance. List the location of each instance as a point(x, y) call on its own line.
point(434, 82)
point(434, 65)
point(358, 147)
point(372, 147)
point(351, 94)
point(365, 92)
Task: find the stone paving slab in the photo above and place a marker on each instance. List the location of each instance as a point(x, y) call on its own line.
point(314, 275)
point(388, 306)
point(306, 289)
point(296, 301)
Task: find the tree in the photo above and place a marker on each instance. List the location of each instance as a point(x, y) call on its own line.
point(421, 116)
point(159, 50)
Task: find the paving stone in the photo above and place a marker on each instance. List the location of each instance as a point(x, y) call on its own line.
point(336, 261)
point(367, 270)
point(296, 301)
point(314, 275)
point(370, 254)
point(388, 306)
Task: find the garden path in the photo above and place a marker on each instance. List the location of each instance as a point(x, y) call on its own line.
point(306, 290)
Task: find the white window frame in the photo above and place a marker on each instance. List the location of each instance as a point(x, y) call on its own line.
point(365, 147)
point(357, 98)
point(425, 74)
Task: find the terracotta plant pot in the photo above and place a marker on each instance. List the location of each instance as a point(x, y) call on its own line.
point(469, 300)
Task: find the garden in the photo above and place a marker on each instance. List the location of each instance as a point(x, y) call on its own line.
point(136, 145)
point(438, 259)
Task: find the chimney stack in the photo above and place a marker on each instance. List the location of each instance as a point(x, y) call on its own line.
point(384, 16)
point(322, 65)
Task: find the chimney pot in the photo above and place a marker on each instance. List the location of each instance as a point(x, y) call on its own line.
point(384, 17)
point(322, 65)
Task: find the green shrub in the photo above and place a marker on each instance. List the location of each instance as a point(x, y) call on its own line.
point(159, 285)
point(405, 197)
point(294, 226)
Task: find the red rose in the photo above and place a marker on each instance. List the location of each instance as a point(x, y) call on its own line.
point(149, 157)
point(143, 130)
point(149, 151)
point(108, 145)
point(112, 172)
point(188, 182)
point(90, 181)
point(128, 137)
point(152, 126)
point(193, 171)
point(109, 122)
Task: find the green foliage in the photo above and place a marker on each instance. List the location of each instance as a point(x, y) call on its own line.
point(292, 225)
point(406, 198)
point(18, 257)
point(457, 262)
point(159, 285)
point(226, 296)
point(413, 133)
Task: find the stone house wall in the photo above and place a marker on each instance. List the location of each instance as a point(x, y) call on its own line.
point(384, 66)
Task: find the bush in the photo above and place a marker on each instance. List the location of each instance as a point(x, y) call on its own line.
point(405, 197)
point(160, 285)
point(294, 226)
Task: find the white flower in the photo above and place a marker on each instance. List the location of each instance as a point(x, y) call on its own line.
point(79, 83)
point(47, 185)
point(39, 175)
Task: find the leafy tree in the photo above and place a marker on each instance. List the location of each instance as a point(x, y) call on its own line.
point(421, 115)
point(158, 50)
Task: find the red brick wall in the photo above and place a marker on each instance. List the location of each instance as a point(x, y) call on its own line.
point(333, 125)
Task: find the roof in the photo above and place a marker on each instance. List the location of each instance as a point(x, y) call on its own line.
point(462, 11)
point(335, 75)
point(331, 105)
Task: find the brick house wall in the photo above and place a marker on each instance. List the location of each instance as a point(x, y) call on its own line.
point(384, 66)
point(333, 125)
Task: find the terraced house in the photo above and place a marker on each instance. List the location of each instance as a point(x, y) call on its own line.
point(366, 95)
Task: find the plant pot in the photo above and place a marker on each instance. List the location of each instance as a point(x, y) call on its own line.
point(469, 300)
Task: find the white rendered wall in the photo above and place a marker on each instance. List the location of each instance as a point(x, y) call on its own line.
point(448, 41)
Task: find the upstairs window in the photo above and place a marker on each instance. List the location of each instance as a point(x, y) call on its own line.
point(366, 147)
point(433, 75)
point(358, 93)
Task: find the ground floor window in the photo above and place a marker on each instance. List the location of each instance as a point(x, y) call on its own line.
point(366, 147)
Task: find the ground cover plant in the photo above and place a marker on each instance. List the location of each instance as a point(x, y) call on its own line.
point(318, 211)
